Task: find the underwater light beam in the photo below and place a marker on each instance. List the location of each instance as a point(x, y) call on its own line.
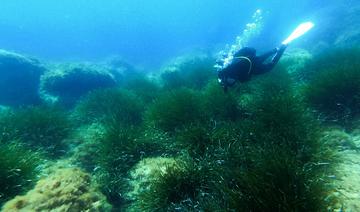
point(299, 31)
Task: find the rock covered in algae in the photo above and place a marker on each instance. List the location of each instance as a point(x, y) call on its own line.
point(295, 60)
point(347, 181)
point(67, 83)
point(86, 146)
point(67, 189)
point(19, 79)
point(329, 32)
point(119, 67)
point(144, 173)
point(193, 70)
point(339, 139)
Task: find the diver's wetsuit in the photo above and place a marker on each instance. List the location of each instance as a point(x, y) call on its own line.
point(246, 63)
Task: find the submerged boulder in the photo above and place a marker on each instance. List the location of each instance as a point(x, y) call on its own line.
point(295, 61)
point(349, 36)
point(66, 84)
point(120, 68)
point(192, 71)
point(19, 79)
point(146, 171)
point(337, 25)
point(68, 189)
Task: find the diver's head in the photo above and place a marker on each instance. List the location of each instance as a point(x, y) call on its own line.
point(224, 80)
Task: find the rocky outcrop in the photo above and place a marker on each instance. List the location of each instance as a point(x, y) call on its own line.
point(66, 84)
point(336, 25)
point(142, 175)
point(192, 70)
point(19, 79)
point(295, 61)
point(68, 189)
point(346, 181)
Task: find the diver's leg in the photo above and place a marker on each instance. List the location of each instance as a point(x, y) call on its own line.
point(263, 68)
point(260, 67)
point(279, 52)
point(263, 57)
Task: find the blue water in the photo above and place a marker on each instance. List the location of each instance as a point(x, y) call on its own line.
point(144, 32)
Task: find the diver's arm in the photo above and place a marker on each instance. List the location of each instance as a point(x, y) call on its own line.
point(279, 53)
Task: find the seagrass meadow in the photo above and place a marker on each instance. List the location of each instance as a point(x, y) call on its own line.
point(171, 106)
point(177, 142)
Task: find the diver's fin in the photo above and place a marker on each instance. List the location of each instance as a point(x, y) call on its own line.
point(299, 31)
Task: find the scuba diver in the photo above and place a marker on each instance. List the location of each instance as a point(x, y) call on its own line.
point(240, 66)
point(246, 63)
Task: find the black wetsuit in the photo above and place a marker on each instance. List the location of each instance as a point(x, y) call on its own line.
point(246, 63)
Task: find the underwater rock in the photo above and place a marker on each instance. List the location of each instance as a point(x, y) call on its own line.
point(67, 189)
point(347, 181)
point(338, 139)
point(337, 25)
point(119, 68)
point(295, 61)
point(133, 78)
point(144, 173)
point(86, 150)
point(350, 35)
point(19, 79)
point(67, 84)
point(4, 108)
point(192, 71)
point(171, 184)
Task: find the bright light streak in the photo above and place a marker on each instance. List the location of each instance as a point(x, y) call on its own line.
point(299, 31)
